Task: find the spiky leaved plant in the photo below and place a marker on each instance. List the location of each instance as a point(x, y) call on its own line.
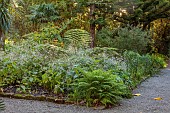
point(2, 105)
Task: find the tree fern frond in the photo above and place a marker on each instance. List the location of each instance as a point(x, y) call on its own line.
point(78, 37)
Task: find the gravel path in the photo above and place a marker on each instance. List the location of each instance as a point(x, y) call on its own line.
point(157, 86)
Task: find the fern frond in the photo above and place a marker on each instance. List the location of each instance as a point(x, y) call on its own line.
point(2, 105)
point(78, 37)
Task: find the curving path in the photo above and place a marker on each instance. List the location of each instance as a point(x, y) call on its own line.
point(157, 86)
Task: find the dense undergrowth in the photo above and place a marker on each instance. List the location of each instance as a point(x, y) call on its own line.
point(98, 76)
point(50, 56)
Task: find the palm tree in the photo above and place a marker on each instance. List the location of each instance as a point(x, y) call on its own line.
point(5, 21)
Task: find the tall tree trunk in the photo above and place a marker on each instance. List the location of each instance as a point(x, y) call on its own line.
point(92, 25)
point(2, 40)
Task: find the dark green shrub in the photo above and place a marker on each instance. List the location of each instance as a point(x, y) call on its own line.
point(142, 66)
point(99, 88)
point(132, 38)
point(44, 13)
point(104, 38)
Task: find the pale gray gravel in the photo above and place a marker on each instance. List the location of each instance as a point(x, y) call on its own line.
point(157, 86)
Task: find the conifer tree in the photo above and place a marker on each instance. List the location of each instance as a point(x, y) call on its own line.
point(144, 12)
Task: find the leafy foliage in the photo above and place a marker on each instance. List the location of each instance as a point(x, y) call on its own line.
point(104, 38)
point(5, 18)
point(142, 66)
point(132, 38)
point(2, 105)
point(44, 13)
point(50, 33)
point(99, 87)
point(44, 62)
point(145, 12)
point(29, 66)
point(160, 39)
point(43, 65)
point(28, 61)
point(5, 21)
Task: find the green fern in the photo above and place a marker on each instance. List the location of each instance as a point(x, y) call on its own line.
point(50, 31)
point(99, 88)
point(2, 105)
point(78, 38)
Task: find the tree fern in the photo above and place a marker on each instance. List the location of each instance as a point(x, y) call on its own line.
point(78, 38)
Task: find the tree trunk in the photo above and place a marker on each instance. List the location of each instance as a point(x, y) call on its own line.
point(2, 40)
point(92, 25)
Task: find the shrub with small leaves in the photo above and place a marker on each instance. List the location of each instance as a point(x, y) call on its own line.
point(44, 13)
point(132, 38)
point(104, 38)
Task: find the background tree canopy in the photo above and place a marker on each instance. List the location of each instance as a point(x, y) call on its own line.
point(29, 16)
